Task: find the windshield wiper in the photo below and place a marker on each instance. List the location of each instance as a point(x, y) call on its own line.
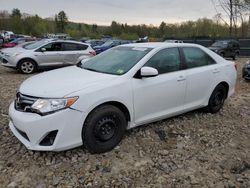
point(90, 69)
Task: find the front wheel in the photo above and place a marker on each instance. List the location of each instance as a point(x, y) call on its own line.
point(217, 99)
point(103, 129)
point(27, 66)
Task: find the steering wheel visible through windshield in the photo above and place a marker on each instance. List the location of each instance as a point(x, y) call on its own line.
point(117, 60)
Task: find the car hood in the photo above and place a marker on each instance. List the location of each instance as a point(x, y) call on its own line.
point(13, 50)
point(61, 82)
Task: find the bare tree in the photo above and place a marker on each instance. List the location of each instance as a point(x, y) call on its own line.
point(233, 10)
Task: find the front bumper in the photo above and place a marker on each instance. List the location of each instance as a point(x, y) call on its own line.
point(8, 61)
point(31, 128)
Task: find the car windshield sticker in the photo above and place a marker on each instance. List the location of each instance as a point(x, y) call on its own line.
point(120, 71)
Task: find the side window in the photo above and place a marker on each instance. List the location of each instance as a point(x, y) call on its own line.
point(167, 60)
point(53, 47)
point(82, 47)
point(195, 57)
point(70, 47)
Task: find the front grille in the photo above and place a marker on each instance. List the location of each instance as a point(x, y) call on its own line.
point(23, 103)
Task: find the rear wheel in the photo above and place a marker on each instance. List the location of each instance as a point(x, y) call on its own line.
point(222, 54)
point(27, 66)
point(236, 56)
point(217, 99)
point(103, 129)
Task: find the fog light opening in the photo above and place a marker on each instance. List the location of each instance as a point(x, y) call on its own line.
point(49, 139)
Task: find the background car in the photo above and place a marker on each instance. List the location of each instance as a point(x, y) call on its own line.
point(1, 41)
point(17, 41)
point(94, 42)
point(174, 41)
point(109, 44)
point(226, 48)
point(246, 71)
point(45, 54)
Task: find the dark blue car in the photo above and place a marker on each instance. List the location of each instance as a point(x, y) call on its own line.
point(109, 44)
point(95, 42)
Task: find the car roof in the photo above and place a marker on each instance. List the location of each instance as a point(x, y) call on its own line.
point(160, 45)
point(61, 40)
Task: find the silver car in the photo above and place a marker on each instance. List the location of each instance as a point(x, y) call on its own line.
point(44, 54)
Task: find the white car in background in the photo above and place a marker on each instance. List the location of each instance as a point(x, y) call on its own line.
point(173, 41)
point(45, 54)
point(127, 86)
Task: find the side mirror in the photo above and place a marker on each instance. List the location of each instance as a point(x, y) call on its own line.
point(43, 49)
point(147, 72)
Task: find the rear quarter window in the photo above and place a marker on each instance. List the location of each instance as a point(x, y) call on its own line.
point(196, 57)
point(82, 47)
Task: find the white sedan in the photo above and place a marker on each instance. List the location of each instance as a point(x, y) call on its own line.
point(93, 104)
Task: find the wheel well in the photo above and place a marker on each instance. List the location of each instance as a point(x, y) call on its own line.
point(18, 64)
point(119, 105)
point(226, 85)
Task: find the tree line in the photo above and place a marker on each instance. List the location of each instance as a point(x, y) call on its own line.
point(34, 25)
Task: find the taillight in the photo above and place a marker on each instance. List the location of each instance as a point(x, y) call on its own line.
point(93, 53)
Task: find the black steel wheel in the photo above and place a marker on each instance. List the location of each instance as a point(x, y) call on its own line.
point(27, 66)
point(103, 129)
point(217, 99)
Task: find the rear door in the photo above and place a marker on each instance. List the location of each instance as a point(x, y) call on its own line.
point(72, 51)
point(202, 73)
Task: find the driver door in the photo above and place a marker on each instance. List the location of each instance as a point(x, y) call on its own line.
point(161, 96)
point(52, 56)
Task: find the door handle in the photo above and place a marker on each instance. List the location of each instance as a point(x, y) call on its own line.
point(181, 78)
point(216, 71)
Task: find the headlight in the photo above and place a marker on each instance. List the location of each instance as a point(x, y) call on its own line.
point(46, 106)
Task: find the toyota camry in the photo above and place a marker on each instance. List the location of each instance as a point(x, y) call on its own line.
point(94, 103)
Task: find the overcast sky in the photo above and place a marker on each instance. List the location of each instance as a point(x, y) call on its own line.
point(124, 11)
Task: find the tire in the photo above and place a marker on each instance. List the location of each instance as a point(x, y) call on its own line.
point(222, 54)
point(27, 66)
point(236, 56)
point(103, 129)
point(217, 99)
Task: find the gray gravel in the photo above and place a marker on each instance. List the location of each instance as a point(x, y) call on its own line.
point(192, 150)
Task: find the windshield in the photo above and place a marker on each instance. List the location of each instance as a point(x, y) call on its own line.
point(220, 44)
point(116, 61)
point(35, 45)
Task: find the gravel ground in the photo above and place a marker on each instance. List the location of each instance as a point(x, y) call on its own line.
point(192, 150)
